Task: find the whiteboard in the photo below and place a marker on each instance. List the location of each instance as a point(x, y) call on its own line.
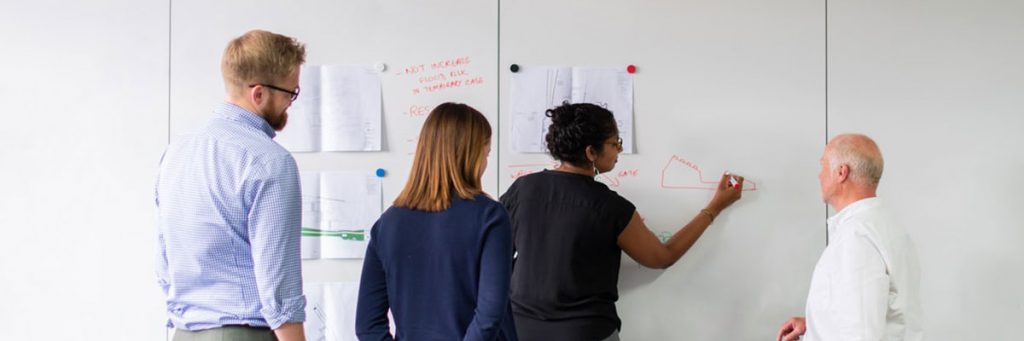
point(939, 86)
point(719, 86)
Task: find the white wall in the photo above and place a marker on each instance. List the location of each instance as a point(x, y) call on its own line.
point(84, 93)
point(87, 107)
point(940, 85)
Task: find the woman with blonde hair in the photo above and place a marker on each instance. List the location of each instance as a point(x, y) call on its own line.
point(441, 257)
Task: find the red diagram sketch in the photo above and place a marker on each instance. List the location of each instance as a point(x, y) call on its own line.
point(680, 173)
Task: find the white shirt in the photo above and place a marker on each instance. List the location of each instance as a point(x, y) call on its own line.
point(866, 284)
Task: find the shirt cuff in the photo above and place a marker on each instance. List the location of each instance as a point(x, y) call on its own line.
point(290, 310)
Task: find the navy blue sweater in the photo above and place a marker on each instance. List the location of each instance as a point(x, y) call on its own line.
point(444, 275)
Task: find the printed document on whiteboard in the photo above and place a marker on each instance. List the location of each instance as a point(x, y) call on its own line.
point(338, 210)
point(338, 109)
point(535, 89)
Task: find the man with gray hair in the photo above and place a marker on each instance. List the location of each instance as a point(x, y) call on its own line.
point(865, 286)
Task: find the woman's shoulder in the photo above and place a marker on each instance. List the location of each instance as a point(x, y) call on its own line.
point(531, 177)
point(482, 206)
point(619, 200)
point(393, 215)
point(549, 177)
point(607, 194)
point(479, 201)
point(485, 199)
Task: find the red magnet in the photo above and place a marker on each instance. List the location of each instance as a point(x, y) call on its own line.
point(631, 68)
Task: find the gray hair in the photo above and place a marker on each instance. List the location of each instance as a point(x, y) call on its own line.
point(860, 154)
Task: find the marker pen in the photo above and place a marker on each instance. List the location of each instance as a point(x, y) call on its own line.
point(733, 182)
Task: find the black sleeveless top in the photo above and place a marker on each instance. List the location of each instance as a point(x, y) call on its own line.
point(565, 230)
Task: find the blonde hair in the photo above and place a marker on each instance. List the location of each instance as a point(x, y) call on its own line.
point(449, 158)
point(260, 57)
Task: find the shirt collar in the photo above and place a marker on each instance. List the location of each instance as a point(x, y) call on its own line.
point(849, 211)
point(232, 112)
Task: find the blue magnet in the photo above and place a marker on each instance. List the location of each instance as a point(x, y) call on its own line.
point(514, 68)
point(380, 172)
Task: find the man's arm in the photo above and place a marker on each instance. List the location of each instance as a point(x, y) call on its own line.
point(163, 277)
point(274, 226)
point(290, 332)
point(861, 282)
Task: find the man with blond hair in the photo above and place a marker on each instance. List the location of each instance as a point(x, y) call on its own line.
point(229, 206)
point(865, 286)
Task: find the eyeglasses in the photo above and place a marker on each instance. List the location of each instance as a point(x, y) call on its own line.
point(293, 94)
point(616, 144)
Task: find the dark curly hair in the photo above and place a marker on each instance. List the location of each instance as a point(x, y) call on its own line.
point(576, 126)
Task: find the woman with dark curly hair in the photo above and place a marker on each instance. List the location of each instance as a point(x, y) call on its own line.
point(569, 232)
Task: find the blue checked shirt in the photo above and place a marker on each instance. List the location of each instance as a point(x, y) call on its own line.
point(229, 211)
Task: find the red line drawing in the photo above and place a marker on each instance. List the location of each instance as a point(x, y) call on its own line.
point(614, 178)
point(687, 175)
point(520, 170)
point(613, 181)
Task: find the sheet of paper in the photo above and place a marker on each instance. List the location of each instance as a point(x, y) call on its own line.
point(611, 88)
point(341, 312)
point(302, 131)
point(350, 108)
point(331, 311)
point(533, 91)
point(316, 322)
point(310, 185)
point(536, 89)
point(338, 210)
point(350, 204)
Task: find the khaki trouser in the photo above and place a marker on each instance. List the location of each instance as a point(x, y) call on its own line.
point(227, 333)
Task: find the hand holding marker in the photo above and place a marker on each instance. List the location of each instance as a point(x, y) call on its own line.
point(734, 182)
